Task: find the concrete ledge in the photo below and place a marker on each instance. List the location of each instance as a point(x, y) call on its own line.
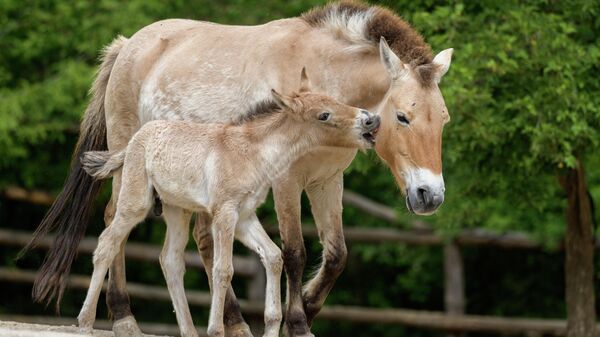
point(17, 329)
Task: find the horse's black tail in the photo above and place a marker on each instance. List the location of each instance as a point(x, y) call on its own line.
point(71, 211)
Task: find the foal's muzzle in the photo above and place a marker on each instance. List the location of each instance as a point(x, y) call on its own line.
point(370, 124)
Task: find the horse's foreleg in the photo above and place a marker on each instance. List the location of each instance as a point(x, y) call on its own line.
point(173, 265)
point(235, 326)
point(117, 298)
point(326, 205)
point(224, 223)
point(252, 234)
point(286, 193)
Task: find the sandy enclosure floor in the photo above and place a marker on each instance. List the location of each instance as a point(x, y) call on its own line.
point(15, 329)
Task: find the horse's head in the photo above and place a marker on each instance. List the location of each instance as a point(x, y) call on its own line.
point(413, 115)
point(328, 120)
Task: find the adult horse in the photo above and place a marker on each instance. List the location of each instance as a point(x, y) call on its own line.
point(167, 69)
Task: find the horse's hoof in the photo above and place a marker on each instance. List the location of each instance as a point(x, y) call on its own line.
point(126, 327)
point(288, 333)
point(238, 330)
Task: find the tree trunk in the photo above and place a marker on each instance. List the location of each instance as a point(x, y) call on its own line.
point(579, 251)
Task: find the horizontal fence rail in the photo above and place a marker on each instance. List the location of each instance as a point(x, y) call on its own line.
point(421, 233)
point(243, 265)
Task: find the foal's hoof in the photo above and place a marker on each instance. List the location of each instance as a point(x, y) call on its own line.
point(238, 330)
point(85, 324)
point(126, 327)
point(86, 330)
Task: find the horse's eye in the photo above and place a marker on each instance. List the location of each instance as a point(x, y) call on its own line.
point(324, 117)
point(402, 118)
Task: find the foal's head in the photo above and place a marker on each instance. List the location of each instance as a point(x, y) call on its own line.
point(331, 122)
point(413, 114)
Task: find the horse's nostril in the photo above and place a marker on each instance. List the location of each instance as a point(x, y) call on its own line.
point(423, 195)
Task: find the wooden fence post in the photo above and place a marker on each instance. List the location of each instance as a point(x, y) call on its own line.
point(454, 287)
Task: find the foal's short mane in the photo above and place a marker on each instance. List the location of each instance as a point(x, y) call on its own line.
point(363, 24)
point(260, 109)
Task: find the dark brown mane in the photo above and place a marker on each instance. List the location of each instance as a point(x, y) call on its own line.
point(260, 109)
point(402, 38)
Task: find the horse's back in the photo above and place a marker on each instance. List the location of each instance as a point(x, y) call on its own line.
point(195, 70)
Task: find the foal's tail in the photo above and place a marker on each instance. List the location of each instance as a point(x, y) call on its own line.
point(102, 164)
point(71, 210)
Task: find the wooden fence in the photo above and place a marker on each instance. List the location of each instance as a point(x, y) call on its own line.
point(453, 320)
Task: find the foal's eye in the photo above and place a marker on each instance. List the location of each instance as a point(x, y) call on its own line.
point(324, 117)
point(402, 118)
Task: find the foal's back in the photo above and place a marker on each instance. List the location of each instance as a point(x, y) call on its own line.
point(189, 164)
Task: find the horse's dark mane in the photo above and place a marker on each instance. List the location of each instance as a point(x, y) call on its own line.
point(260, 109)
point(381, 22)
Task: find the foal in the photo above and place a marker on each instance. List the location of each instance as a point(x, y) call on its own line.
point(226, 171)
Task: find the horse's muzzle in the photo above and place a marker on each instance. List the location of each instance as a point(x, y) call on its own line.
point(424, 200)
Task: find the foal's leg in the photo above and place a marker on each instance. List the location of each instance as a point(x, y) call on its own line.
point(286, 193)
point(224, 223)
point(235, 326)
point(252, 234)
point(108, 246)
point(173, 265)
point(326, 203)
point(121, 124)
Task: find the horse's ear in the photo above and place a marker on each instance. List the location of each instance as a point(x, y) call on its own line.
point(392, 63)
point(442, 61)
point(283, 101)
point(305, 85)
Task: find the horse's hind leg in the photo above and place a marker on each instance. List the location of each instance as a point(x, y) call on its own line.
point(121, 124)
point(173, 265)
point(235, 326)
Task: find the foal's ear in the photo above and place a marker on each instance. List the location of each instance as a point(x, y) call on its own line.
point(392, 63)
point(305, 85)
point(283, 101)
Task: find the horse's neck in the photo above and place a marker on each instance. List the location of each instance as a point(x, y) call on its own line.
point(279, 141)
point(353, 76)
